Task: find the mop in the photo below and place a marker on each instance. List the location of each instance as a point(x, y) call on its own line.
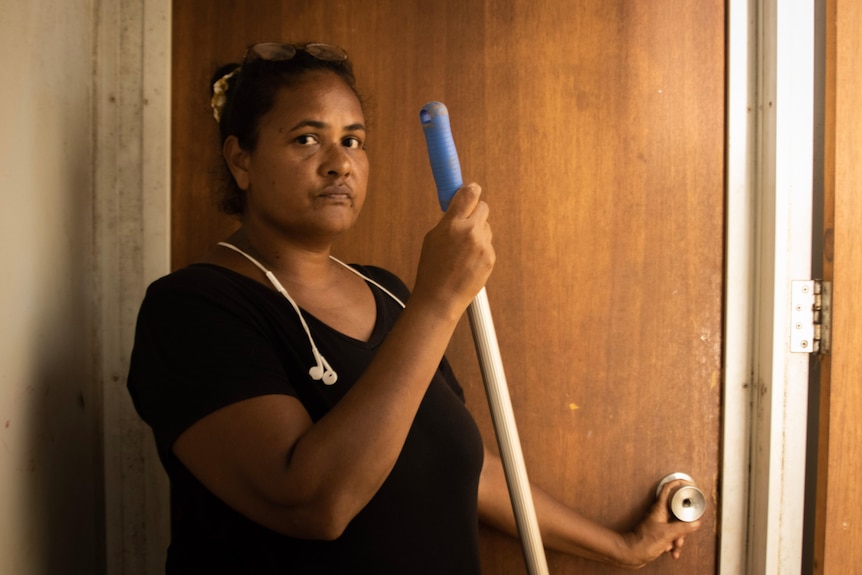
point(447, 175)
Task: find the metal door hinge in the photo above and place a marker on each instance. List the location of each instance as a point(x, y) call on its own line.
point(811, 316)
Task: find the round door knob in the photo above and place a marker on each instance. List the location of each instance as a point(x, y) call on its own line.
point(686, 502)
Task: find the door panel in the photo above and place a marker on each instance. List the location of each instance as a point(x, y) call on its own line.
point(596, 129)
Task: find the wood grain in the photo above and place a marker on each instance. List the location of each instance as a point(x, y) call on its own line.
point(596, 129)
point(839, 497)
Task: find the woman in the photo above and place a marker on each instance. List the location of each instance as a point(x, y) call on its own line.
point(302, 408)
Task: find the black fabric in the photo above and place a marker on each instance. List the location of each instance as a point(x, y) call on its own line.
point(208, 337)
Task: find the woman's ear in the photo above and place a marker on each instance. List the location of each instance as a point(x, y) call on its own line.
point(237, 161)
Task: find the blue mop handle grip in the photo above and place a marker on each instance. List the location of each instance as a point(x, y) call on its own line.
point(441, 151)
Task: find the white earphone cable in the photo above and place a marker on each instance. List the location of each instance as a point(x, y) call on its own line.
point(322, 370)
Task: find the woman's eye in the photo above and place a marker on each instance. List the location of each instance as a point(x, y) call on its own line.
point(352, 142)
point(306, 139)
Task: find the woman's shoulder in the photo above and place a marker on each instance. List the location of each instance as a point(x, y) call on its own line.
point(381, 274)
point(386, 278)
point(199, 276)
point(204, 284)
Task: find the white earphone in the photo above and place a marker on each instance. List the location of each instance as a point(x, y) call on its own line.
point(321, 371)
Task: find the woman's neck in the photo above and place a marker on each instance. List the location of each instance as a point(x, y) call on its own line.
point(300, 264)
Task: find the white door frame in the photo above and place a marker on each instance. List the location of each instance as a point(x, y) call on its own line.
point(770, 122)
point(739, 284)
point(769, 172)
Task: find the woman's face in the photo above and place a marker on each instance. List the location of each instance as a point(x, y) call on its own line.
point(307, 177)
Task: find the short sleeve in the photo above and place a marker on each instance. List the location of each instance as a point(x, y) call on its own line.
point(193, 354)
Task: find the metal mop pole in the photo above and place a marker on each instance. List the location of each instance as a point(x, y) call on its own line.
point(447, 175)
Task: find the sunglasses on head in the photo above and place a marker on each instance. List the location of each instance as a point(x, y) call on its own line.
point(278, 52)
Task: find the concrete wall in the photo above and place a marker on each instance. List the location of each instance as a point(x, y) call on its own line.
point(50, 452)
point(83, 96)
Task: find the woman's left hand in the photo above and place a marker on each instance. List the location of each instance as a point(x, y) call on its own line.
point(658, 533)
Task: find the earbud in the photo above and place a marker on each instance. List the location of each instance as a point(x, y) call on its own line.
point(322, 371)
point(316, 372)
point(329, 375)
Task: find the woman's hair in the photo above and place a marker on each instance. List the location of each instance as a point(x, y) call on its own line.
point(247, 92)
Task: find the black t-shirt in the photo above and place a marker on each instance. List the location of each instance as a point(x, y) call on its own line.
point(208, 337)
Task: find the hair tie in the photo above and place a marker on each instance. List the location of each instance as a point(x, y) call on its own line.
point(220, 89)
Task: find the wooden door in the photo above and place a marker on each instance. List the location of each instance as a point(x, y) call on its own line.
point(596, 129)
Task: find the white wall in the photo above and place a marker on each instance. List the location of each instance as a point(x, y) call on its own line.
point(84, 100)
point(50, 453)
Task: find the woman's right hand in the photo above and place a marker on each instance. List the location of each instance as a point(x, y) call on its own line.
point(457, 254)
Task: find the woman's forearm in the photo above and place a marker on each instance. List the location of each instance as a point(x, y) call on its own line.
point(564, 529)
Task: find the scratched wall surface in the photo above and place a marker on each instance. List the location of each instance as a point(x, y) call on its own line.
point(596, 129)
point(49, 400)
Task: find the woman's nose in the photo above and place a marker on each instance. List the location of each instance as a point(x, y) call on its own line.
point(337, 161)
